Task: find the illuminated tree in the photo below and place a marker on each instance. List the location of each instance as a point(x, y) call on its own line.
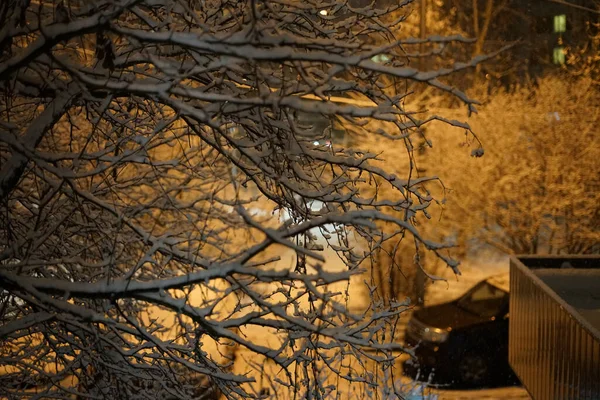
point(536, 190)
point(153, 169)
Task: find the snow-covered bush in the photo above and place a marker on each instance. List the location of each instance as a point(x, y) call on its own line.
point(537, 189)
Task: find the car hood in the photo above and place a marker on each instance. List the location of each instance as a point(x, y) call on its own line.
point(447, 315)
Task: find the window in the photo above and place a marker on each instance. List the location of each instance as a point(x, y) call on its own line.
point(560, 23)
point(558, 56)
point(484, 300)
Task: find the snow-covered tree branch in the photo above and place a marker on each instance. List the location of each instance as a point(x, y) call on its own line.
point(156, 163)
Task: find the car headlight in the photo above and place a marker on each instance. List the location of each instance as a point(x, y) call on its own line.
point(435, 335)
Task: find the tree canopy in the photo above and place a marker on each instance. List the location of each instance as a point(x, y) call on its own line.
point(153, 170)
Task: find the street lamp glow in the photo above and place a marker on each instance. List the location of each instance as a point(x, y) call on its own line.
point(323, 12)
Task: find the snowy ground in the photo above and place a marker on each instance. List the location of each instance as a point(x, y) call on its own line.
point(473, 270)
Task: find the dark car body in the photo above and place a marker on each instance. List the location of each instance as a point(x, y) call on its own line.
point(463, 342)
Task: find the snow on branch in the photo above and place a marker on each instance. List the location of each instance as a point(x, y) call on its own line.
point(179, 194)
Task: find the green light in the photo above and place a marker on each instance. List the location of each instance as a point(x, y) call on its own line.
point(560, 23)
point(558, 56)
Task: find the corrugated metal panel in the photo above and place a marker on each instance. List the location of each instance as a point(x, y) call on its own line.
point(555, 353)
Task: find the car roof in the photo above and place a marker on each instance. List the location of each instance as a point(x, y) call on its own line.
point(501, 281)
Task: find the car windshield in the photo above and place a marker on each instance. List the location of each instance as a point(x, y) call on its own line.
point(485, 300)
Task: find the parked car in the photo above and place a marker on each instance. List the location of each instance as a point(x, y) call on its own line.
point(463, 342)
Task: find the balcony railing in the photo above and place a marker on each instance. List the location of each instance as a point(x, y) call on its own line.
point(554, 332)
